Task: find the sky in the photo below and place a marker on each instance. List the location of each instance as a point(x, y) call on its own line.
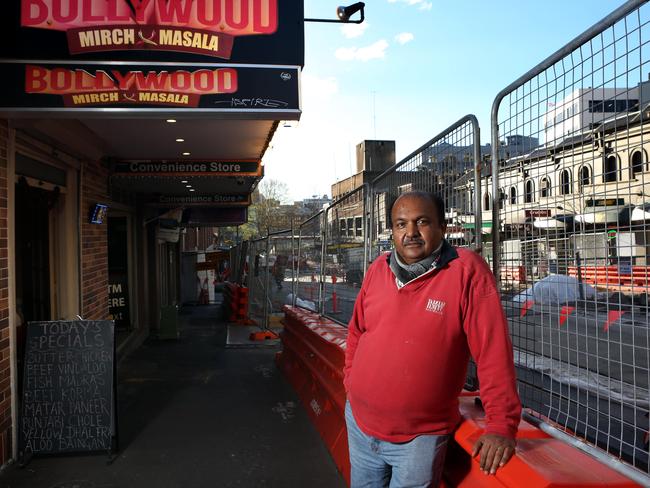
point(409, 71)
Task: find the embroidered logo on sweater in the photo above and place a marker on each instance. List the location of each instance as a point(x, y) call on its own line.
point(435, 306)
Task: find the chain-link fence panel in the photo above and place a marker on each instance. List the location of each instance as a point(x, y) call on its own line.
point(448, 166)
point(282, 250)
point(259, 276)
point(345, 254)
point(567, 194)
point(308, 263)
point(237, 270)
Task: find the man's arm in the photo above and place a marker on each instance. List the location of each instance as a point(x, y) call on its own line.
point(489, 342)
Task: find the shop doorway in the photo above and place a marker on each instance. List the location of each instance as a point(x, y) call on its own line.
point(32, 255)
point(119, 302)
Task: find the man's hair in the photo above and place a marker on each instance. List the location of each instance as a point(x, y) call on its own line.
point(438, 203)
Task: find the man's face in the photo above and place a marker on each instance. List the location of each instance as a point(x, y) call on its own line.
point(416, 230)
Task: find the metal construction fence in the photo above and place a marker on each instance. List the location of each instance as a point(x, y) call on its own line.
point(558, 205)
point(309, 263)
point(257, 280)
point(344, 256)
point(448, 165)
point(567, 193)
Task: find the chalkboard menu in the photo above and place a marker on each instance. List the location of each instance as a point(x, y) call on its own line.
point(68, 387)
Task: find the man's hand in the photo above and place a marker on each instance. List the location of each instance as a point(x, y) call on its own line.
point(495, 450)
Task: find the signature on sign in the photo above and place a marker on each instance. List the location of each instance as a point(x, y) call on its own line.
point(254, 103)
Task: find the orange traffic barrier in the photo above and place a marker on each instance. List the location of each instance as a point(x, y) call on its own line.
point(312, 359)
point(235, 302)
point(636, 281)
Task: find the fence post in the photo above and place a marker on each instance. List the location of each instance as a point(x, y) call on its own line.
point(321, 279)
point(265, 307)
point(478, 164)
point(294, 264)
point(366, 225)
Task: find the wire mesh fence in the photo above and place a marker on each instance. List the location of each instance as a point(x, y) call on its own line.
point(567, 193)
point(281, 251)
point(345, 254)
point(238, 264)
point(448, 166)
point(258, 280)
point(308, 263)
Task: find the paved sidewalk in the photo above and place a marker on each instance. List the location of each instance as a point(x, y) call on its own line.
point(193, 413)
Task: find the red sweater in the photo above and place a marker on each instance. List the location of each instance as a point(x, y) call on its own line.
point(408, 349)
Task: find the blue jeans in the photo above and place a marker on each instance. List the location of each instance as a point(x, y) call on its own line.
point(380, 464)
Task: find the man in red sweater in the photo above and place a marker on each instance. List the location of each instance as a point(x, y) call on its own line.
point(422, 310)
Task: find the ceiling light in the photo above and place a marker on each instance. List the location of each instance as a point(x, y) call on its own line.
point(180, 140)
point(184, 181)
point(171, 121)
point(192, 189)
point(188, 186)
point(186, 154)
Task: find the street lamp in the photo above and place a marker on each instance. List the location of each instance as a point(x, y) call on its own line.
point(344, 14)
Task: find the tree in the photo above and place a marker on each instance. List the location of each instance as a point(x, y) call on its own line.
point(267, 211)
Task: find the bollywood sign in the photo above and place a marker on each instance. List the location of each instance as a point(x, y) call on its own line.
point(188, 168)
point(211, 28)
point(218, 88)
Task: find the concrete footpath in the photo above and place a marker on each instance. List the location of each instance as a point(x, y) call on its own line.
point(195, 413)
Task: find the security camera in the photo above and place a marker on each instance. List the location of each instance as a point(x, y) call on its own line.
point(344, 13)
point(240, 180)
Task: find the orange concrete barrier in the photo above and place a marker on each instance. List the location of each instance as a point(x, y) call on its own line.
point(235, 302)
point(312, 359)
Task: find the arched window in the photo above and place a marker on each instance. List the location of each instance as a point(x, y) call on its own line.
point(611, 169)
point(529, 191)
point(486, 201)
point(545, 187)
point(513, 195)
point(637, 163)
point(565, 182)
point(585, 176)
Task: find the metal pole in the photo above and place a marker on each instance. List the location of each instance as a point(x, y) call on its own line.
point(478, 217)
point(321, 284)
point(496, 227)
point(293, 265)
point(295, 293)
point(265, 308)
point(368, 219)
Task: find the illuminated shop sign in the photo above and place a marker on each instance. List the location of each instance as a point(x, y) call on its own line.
point(268, 32)
point(175, 88)
point(213, 200)
point(188, 168)
point(88, 87)
point(206, 27)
